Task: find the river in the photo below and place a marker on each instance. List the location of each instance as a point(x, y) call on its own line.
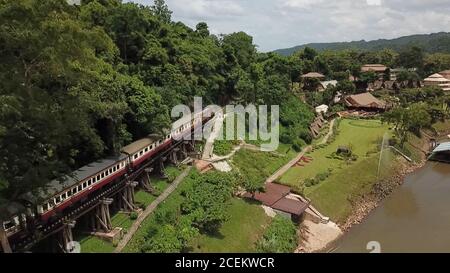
point(415, 218)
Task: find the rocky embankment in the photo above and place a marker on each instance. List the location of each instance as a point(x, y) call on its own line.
point(364, 205)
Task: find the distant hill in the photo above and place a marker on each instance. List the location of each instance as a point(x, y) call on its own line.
point(432, 43)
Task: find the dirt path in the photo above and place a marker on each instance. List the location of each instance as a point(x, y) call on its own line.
point(124, 241)
point(291, 163)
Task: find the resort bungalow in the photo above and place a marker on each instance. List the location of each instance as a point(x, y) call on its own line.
point(437, 80)
point(364, 102)
point(379, 69)
point(278, 198)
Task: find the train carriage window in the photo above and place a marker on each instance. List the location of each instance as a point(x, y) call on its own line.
point(141, 153)
point(98, 178)
point(63, 196)
point(84, 185)
point(102, 175)
point(75, 190)
point(146, 150)
point(69, 193)
point(114, 169)
point(89, 182)
point(135, 156)
point(57, 199)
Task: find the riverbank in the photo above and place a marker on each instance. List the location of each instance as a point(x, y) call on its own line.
point(350, 194)
point(367, 203)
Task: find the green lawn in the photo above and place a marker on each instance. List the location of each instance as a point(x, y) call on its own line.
point(334, 196)
point(90, 244)
point(260, 165)
point(239, 234)
point(363, 135)
point(348, 181)
point(172, 203)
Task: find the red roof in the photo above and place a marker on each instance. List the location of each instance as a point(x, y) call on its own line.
point(291, 206)
point(271, 195)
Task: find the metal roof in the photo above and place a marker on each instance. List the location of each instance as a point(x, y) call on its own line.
point(443, 147)
point(58, 185)
point(291, 206)
point(138, 145)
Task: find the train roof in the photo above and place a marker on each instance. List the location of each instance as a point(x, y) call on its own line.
point(139, 145)
point(10, 209)
point(67, 181)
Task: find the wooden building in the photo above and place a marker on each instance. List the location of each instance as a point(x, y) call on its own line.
point(364, 101)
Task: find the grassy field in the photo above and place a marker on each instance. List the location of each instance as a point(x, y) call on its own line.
point(334, 195)
point(261, 165)
point(364, 136)
point(239, 234)
point(172, 203)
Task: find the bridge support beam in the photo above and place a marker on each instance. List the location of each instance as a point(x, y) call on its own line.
point(4, 242)
point(67, 236)
point(162, 169)
point(174, 156)
point(144, 182)
point(101, 218)
point(126, 197)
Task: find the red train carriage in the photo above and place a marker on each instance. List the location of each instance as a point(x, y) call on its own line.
point(75, 187)
point(65, 192)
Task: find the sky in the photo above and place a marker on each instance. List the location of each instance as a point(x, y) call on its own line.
point(276, 24)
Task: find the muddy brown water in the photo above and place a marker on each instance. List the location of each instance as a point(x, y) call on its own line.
point(415, 218)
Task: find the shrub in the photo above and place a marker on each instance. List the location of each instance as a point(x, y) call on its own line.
point(133, 215)
point(279, 237)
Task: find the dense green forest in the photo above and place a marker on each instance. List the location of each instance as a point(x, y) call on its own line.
point(431, 43)
point(79, 82)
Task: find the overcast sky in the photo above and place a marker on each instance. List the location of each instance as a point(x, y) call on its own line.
point(278, 24)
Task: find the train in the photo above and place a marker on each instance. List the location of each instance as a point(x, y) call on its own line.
point(72, 189)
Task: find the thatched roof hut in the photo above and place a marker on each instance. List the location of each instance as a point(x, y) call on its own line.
point(365, 101)
point(437, 80)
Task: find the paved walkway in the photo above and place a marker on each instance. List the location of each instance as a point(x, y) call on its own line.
point(124, 241)
point(209, 146)
point(294, 161)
